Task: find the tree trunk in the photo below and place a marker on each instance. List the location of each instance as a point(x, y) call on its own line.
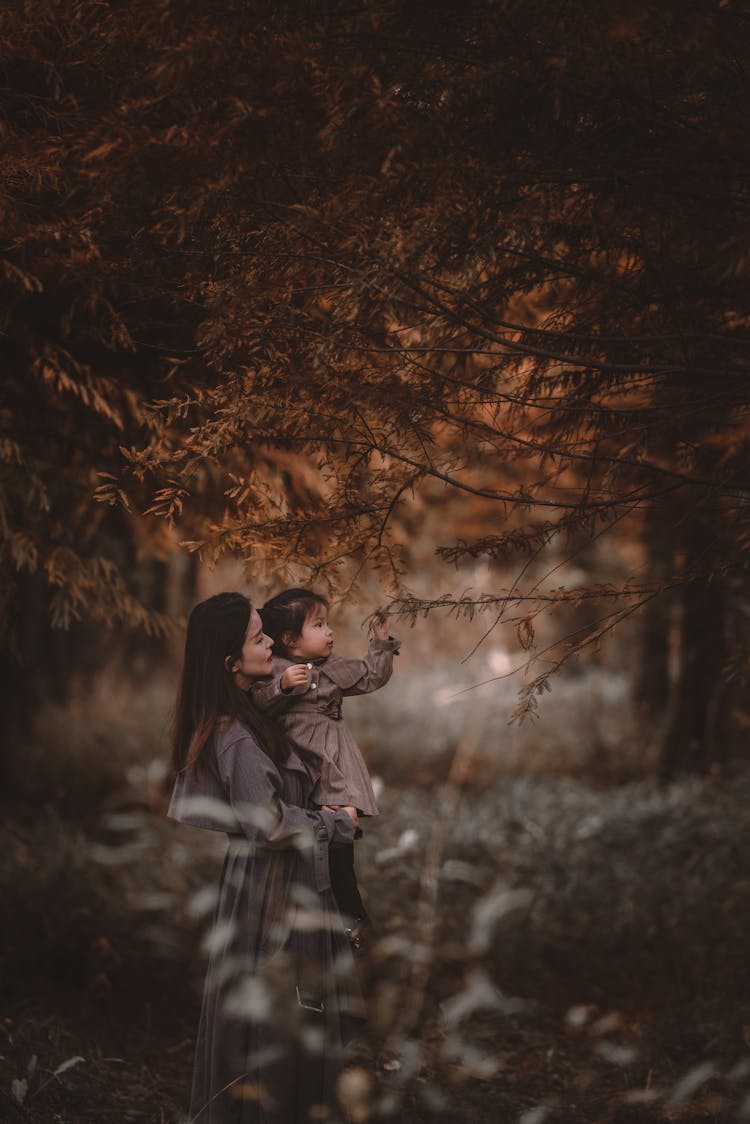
point(653, 675)
point(45, 663)
point(16, 705)
point(688, 745)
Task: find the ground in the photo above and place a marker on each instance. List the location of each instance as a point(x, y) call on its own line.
point(545, 952)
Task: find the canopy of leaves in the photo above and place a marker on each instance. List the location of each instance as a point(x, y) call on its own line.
point(270, 270)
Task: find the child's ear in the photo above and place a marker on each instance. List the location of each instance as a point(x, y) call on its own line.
point(288, 639)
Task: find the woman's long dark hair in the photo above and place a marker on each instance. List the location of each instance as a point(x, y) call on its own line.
point(285, 615)
point(207, 692)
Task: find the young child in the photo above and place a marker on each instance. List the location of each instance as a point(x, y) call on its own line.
point(304, 694)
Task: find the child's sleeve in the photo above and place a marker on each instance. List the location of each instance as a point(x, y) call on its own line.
point(360, 677)
point(269, 697)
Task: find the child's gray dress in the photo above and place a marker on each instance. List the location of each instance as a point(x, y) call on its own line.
point(311, 716)
point(281, 997)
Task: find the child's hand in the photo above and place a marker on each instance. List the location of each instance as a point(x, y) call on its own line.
point(380, 626)
point(294, 676)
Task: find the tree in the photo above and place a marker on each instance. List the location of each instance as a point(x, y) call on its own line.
point(491, 248)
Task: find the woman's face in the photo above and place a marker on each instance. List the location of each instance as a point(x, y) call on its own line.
point(254, 661)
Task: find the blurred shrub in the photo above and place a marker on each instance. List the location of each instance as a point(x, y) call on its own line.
point(77, 755)
point(585, 727)
point(539, 895)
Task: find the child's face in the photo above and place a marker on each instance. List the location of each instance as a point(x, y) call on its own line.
point(316, 639)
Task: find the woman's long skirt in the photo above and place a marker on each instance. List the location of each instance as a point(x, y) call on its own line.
point(281, 998)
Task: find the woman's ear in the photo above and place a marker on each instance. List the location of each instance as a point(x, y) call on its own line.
point(230, 665)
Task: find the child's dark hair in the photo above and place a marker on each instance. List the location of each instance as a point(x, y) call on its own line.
point(285, 615)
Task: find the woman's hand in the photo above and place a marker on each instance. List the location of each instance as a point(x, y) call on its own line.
point(351, 812)
point(294, 676)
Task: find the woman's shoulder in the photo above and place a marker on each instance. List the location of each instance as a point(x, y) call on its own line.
point(239, 751)
point(229, 731)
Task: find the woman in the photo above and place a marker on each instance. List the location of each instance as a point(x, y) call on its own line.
point(280, 997)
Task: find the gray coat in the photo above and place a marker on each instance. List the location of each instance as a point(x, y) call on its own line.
point(311, 716)
point(280, 972)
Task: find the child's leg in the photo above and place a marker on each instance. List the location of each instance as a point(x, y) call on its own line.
point(344, 881)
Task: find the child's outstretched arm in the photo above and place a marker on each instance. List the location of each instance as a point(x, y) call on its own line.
point(360, 677)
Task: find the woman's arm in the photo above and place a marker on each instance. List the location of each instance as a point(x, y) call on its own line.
point(254, 787)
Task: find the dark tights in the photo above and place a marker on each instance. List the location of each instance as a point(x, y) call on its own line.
point(344, 880)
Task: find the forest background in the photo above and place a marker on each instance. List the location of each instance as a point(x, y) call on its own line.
point(441, 309)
